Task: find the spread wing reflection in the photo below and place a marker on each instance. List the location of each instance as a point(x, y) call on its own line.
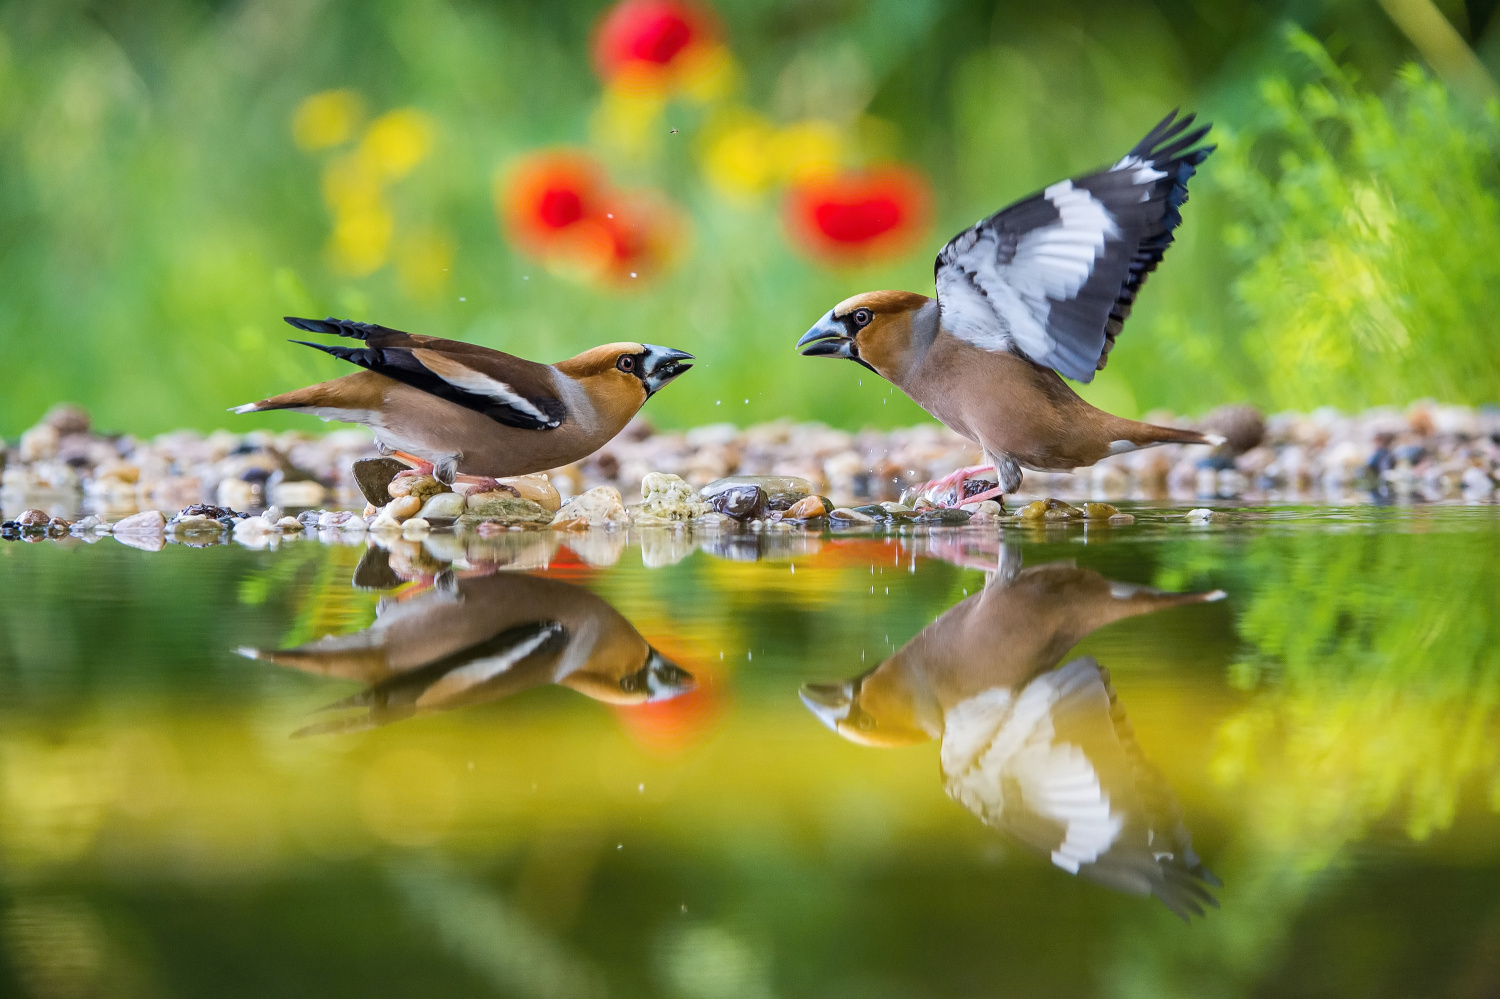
point(471, 640)
point(1045, 755)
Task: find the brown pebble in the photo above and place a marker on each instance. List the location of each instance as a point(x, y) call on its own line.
point(807, 508)
point(33, 518)
point(1099, 511)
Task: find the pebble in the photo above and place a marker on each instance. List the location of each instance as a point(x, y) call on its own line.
point(403, 508)
point(808, 508)
point(146, 522)
point(782, 491)
point(501, 508)
point(667, 497)
point(742, 502)
point(373, 475)
point(845, 515)
point(288, 524)
point(418, 487)
point(1050, 509)
point(1203, 515)
point(985, 511)
point(446, 506)
point(34, 518)
point(298, 494)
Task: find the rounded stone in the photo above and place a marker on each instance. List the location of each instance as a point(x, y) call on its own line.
point(33, 518)
point(373, 475)
point(782, 491)
point(807, 508)
point(443, 506)
point(742, 502)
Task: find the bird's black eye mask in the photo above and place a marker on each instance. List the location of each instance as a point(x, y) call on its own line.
point(855, 321)
point(633, 364)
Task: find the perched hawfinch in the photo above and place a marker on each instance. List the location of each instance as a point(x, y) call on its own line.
point(461, 410)
point(479, 639)
point(1037, 290)
point(1044, 755)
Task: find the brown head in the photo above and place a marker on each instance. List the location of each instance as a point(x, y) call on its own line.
point(886, 331)
point(881, 708)
point(620, 377)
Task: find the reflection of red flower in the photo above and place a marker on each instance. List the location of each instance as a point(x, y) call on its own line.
point(559, 206)
point(854, 217)
point(649, 37)
point(678, 722)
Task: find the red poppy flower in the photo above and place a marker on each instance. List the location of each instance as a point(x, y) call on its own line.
point(560, 207)
point(855, 217)
point(649, 37)
point(548, 196)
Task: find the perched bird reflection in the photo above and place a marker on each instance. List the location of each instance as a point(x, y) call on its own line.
point(1045, 755)
point(472, 640)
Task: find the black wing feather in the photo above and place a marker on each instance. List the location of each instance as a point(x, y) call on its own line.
point(400, 364)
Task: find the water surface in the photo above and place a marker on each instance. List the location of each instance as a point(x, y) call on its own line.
point(891, 764)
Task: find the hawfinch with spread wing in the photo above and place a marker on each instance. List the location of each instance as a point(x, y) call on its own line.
point(1034, 293)
point(1044, 755)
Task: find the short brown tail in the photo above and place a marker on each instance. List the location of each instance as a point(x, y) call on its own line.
point(359, 391)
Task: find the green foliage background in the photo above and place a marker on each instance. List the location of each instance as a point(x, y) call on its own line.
point(156, 218)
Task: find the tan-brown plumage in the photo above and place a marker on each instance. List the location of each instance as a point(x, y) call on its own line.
point(472, 411)
point(1045, 755)
point(480, 639)
point(1039, 290)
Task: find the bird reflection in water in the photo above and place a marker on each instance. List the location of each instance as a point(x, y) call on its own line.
point(1044, 755)
point(471, 639)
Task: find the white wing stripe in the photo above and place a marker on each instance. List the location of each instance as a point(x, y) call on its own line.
point(481, 384)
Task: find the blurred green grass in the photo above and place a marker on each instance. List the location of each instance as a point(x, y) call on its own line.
point(157, 218)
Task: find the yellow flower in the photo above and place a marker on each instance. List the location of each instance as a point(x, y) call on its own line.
point(397, 141)
point(423, 262)
point(361, 240)
point(738, 153)
point(351, 183)
point(806, 148)
point(327, 119)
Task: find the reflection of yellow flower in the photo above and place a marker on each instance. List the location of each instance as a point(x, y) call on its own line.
point(397, 141)
point(361, 240)
point(326, 119)
point(423, 262)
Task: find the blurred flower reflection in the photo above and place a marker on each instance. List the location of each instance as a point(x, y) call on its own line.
point(1046, 756)
point(473, 639)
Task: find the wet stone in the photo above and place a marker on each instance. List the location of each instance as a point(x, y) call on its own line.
point(742, 502)
point(33, 518)
point(508, 510)
point(846, 515)
point(944, 517)
point(146, 522)
point(1099, 511)
point(782, 491)
point(1048, 510)
point(420, 487)
point(373, 475)
point(808, 508)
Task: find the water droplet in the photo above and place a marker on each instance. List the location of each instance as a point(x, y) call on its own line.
point(462, 299)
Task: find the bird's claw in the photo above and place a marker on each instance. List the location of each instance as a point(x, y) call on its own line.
point(948, 491)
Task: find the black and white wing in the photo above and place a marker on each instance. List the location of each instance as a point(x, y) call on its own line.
point(508, 389)
point(1053, 277)
point(1056, 766)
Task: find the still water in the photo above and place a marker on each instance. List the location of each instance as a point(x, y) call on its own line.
point(946, 764)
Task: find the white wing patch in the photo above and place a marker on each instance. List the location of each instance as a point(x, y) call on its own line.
point(469, 380)
point(992, 740)
point(480, 670)
point(1050, 262)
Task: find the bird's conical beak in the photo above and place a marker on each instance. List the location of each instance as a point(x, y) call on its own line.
point(662, 364)
point(665, 679)
point(828, 338)
point(829, 702)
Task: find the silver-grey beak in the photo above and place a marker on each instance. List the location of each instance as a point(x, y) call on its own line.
point(665, 679)
point(828, 338)
point(662, 364)
point(829, 702)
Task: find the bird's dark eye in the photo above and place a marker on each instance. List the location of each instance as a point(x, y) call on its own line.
point(862, 317)
point(626, 363)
